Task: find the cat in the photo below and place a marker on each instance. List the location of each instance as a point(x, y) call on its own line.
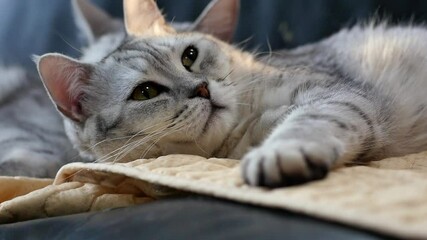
point(291, 117)
point(32, 140)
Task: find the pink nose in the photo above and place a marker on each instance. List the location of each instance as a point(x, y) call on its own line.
point(202, 91)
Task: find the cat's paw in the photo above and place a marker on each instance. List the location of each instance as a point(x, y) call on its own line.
point(285, 163)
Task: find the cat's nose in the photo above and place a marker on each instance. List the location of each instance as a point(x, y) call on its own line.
point(201, 91)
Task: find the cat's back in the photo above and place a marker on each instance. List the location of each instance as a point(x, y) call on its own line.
point(390, 61)
point(394, 58)
point(11, 79)
point(32, 139)
point(24, 104)
point(21, 93)
point(376, 53)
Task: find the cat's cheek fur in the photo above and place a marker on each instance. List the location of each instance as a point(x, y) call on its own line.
point(79, 141)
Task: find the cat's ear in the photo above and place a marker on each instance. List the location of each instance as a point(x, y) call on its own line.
point(219, 19)
point(93, 21)
point(65, 80)
point(143, 17)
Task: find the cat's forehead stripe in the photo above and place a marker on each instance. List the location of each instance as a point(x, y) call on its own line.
point(137, 54)
point(141, 49)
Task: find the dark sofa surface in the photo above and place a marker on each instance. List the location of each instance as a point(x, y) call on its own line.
point(184, 218)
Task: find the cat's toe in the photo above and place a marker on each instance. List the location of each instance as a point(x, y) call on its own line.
point(287, 163)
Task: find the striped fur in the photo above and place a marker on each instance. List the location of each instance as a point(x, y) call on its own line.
point(32, 139)
point(291, 116)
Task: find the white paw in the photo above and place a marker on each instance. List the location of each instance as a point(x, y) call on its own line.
point(288, 162)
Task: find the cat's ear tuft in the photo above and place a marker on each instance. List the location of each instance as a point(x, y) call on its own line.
point(219, 19)
point(143, 17)
point(65, 80)
point(92, 21)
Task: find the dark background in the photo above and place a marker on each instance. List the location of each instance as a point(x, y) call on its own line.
point(36, 27)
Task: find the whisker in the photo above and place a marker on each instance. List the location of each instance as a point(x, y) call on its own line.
point(152, 145)
point(129, 136)
point(198, 146)
point(123, 150)
point(125, 145)
point(131, 146)
point(244, 104)
point(242, 43)
point(138, 144)
point(226, 76)
point(146, 129)
point(68, 43)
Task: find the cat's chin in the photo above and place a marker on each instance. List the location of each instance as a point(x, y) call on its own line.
point(213, 117)
point(204, 135)
point(215, 129)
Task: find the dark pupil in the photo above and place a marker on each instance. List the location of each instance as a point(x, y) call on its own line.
point(191, 53)
point(189, 57)
point(144, 91)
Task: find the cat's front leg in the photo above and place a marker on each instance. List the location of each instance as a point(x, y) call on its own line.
point(308, 143)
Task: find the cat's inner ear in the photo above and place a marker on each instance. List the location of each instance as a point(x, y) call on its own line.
point(219, 19)
point(93, 21)
point(65, 80)
point(143, 17)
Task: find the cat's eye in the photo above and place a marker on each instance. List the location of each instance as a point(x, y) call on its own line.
point(189, 57)
point(146, 91)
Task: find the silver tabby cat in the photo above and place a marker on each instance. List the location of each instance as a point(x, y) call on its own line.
point(291, 116)
point(32, 137)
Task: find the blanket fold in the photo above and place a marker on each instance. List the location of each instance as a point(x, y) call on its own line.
point(389, 196)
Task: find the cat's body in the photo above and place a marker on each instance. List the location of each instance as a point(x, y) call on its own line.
point(32, 139)
point(378, 68)
point(364, 87)
point(385, 67)
point(291, 116)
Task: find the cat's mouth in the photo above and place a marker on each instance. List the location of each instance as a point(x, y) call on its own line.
point(215, 109)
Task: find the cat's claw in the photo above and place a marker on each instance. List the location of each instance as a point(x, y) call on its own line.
point(286, 163)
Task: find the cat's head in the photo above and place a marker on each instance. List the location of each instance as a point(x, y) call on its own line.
point(158, 92)
point(100, 33)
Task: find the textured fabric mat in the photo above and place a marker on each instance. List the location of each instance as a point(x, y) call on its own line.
point(389, 196)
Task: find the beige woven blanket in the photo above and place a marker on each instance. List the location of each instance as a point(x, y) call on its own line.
point(389, 196)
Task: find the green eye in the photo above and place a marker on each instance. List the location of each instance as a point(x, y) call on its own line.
point(189, 57)
point(146, 91)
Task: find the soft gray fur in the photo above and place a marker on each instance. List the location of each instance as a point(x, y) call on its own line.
point(32, 139)
point(292, 116)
